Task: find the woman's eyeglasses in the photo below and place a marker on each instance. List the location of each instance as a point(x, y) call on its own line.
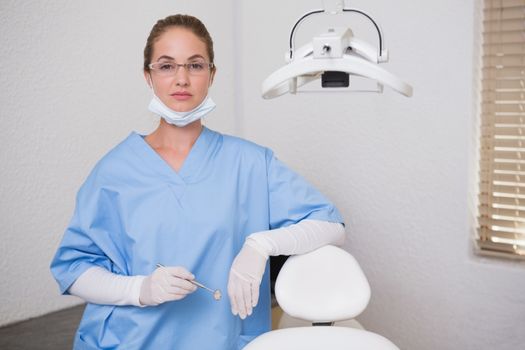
point(169, 69)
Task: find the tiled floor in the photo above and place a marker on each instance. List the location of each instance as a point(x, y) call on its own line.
point(53, 331)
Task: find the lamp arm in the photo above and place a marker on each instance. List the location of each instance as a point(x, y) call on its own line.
point(292, 34)
point(379, 34)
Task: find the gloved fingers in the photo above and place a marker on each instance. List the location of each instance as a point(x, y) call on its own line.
point(237, 294)
point(175, 296)
point(166, 284)
point(169, 293)
point(180, 272)
point(240, 298)
point(255, 293)
point(181, 287)
point(231, 294)
point(176, 280)
point(243, 293)
point(175, 283)
point(247, 297)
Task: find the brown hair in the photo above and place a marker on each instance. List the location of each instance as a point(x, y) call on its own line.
point(186, 21)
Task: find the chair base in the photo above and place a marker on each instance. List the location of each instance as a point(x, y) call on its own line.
point(281, 320)
point(314, 338)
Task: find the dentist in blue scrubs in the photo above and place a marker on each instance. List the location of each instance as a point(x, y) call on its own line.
point(208, 207)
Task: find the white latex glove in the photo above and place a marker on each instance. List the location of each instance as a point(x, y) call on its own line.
point(300, 238)
point(248, 267)
point(166, 284)
point(245, 278)
point(99, 286)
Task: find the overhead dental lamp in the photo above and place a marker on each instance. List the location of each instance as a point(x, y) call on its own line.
point(333, 57)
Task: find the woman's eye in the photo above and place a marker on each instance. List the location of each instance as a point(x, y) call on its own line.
point(197, 66)
point(166, 66)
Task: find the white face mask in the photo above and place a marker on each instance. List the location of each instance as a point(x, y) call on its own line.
point(180, 119)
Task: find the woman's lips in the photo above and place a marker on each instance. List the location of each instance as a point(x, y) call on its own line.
point(181, 96)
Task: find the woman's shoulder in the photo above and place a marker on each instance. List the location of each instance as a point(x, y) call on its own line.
point(242, 145)
point(115, 163)
point(119, 153)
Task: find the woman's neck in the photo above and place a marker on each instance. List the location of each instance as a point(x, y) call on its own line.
point(168, 136)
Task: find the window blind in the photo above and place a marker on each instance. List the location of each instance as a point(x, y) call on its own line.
point(501, 218)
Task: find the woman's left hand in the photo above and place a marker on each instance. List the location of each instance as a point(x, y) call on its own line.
point(245, 278)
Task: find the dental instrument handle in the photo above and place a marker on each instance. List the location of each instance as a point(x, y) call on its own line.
point(216, 293)
point(201, 285)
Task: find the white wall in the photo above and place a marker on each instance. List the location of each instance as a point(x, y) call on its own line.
point(400, 169)
point(71, 87)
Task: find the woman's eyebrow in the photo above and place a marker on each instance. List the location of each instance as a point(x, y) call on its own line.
point(195, 56)
point(166, 57)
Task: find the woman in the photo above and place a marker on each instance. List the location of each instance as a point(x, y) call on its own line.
point(207, 206)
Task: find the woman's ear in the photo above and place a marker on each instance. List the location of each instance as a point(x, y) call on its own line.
point(147, 76)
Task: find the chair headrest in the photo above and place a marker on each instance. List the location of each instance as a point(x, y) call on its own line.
point(325, 285)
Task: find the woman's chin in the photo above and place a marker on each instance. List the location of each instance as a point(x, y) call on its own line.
point(182, 106)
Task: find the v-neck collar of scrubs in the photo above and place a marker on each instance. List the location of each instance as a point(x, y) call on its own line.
point(192, 166)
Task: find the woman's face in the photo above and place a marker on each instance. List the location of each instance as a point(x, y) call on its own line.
point(183, 90)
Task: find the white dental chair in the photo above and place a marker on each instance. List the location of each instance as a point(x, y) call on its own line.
point(323, 286)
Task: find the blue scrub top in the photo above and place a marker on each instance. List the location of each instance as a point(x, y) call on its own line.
point(135, 211)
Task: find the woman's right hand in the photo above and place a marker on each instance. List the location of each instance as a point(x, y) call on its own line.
point(166, 284)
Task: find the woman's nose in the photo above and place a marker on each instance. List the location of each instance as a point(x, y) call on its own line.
point(181, 76)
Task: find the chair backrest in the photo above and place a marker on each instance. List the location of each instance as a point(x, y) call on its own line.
point(325, 285)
